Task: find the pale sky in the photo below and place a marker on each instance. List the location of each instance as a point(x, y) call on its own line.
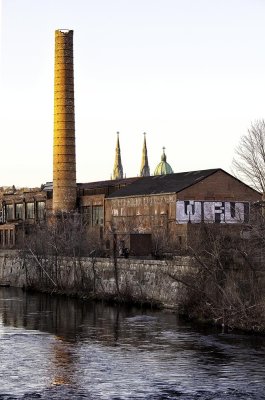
point(190, 73)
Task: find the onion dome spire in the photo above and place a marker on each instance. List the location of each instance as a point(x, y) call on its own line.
point(117, 170)
point(163, 168)
point(145, 170)
point(164, 157)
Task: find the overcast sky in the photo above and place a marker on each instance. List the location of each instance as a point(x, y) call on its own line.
point(190, 73)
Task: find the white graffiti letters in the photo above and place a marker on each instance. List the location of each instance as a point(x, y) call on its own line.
point(212, 211)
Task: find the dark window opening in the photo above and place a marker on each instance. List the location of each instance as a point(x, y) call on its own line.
point(86, 215)
point(9, 211)
point(30, 211)
point(41, 210)
point(19, 211)
point(97, 216)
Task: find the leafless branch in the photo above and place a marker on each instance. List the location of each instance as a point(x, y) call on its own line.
point(249, 161)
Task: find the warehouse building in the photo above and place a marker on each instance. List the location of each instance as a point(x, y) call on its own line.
point(167, 206)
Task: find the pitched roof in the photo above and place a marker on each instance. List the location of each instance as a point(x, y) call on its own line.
point(113, 182)
point(171, 183)
point(140, 186)
point(98, 184)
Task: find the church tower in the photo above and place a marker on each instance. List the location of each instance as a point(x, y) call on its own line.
point(163, 168)
point(117, 170)
point(64, 162)
point(145, 170)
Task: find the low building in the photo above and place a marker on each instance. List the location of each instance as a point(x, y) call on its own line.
point(166, 207)
point(171, 207)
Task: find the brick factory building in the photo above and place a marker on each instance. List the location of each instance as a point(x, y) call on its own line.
point(169, 206)
point(172, 205)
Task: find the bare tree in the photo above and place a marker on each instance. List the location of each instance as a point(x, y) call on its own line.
point(226, 284)
point(249, 161)
point(45, 248)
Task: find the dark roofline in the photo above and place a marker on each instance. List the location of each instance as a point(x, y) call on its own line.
point(131, 189)
point(201, 179)
point(131, 181)
point(137, 195)
point(227, 173)
point(214, 172)
point(110, 182)
point(186, 179)
point(48, 186)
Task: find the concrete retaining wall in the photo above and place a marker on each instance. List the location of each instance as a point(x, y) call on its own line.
point(138, 280)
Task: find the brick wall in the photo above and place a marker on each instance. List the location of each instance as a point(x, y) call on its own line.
point(219, 186)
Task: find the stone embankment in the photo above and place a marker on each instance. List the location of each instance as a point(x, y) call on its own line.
point(141, 281)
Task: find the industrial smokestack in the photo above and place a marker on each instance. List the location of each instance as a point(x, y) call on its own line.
point(64, 163)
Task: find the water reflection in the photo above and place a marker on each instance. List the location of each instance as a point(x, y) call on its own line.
point(56, 347)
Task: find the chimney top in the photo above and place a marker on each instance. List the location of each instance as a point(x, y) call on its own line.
point(64, 30)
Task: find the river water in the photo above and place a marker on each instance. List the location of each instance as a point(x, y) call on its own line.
point(53, 347)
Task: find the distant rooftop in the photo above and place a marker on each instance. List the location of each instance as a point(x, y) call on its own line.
point(171, 183)
point(148, 185)
point(98, 184)
point(110, 182)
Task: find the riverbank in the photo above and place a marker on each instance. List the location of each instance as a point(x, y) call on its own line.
point(122, 280)
point(219, 297)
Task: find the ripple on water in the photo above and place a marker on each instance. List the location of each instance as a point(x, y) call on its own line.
point(164, 394)
point(56, 348)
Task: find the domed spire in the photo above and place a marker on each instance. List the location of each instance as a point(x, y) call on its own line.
point(164, 157)
point(144, 170)
point(117, 170)
point(163, 168)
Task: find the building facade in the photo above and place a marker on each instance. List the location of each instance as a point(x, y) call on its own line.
point(170, 206)
point(167, 206)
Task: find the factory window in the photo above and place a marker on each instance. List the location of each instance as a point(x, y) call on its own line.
point(9, 211)
point(11, 237)
point(49, 194)
point(29, 210)
point(19, 211)
point(97, 217)
point(86, 215)
point(6, 237)
point(41, 210)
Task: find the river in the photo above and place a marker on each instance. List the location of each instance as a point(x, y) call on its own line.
point(54, 347)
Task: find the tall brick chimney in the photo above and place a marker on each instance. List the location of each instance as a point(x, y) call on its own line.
point(64, 162)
